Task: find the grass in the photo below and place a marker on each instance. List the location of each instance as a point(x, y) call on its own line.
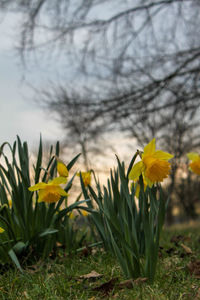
point(60, 278)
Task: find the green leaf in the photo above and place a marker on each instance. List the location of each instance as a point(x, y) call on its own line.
point(19, 247)
point(72, 162)
point(15, 260)
point(39, 162)
point(47, 232)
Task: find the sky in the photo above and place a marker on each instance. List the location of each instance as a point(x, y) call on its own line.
point(19, 114)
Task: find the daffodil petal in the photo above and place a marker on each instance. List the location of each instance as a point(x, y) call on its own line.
point(62, 169)
point(84, 212)
point(150, 148)
point(136, 171)
point(58, 180)
point(71, 215)
point(137, 191)
point(1, 230)
point(148, 182)
point(41, 195)
point(38, 186)
point(60, 191)
point(193, 156)
point(162, 155)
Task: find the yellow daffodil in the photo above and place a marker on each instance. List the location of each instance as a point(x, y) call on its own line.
point(1, 230)
point(50, 192)
point(62, 169)
point(86, 177)
point(72, 215)
point(195, 164)
point(154, 165)
point(84, 213)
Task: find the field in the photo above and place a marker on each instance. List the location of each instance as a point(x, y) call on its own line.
point(96, 275)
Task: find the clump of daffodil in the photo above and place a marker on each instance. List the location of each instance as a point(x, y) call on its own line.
point(50, 192)
point(195, 164)
point(86, 176)
point(154, 165)
point(62, 169)
point(1, 230)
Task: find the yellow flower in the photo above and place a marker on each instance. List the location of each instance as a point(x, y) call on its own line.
point(84, 212)
point(86, 177)
point(72, 215)
point(195, 164)
point(50, 192)
point(62, 169)
point(154, 165)
point(1, 230)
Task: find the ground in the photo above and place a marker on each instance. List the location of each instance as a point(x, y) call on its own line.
point(71, 277)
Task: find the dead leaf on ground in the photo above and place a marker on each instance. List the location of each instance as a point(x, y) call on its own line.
point(106, 287)
point(197, 296)
point(92, 276)
point(186, 249)
point(59, 245)
point(116, 296)
point(129, 284)
point(94, 251)
point(86, 251)
point(140, 280)
point(34, 268)
point(194, 268)
point(126, 284)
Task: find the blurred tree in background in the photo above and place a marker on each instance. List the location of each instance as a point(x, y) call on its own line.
point(131, 68)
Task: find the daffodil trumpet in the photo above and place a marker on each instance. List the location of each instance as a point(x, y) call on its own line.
point(195, 162)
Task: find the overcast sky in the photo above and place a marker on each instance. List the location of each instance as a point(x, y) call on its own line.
point(19, 115)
